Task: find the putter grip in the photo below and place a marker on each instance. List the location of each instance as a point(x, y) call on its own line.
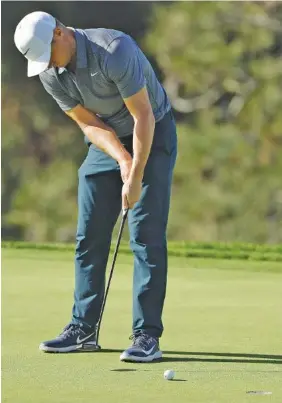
point(124, 212)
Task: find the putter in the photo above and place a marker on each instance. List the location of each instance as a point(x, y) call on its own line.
point(124, 215)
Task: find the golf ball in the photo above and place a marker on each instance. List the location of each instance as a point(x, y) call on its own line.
point(169, 374)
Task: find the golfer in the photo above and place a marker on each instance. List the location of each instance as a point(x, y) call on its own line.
point(101, 79)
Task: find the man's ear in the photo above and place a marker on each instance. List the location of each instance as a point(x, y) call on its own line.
point(57, 31)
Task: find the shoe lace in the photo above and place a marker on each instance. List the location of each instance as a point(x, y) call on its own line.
point(140, 340)
point(70, 330)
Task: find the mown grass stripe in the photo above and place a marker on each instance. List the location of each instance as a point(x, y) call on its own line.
point(180, 249)
point(227, 246)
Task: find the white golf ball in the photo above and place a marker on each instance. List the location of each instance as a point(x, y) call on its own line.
point(169, 374)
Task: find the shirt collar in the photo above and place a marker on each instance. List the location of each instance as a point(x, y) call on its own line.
point(81, 53)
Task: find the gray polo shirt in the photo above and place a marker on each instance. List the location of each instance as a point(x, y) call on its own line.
point(109, 67)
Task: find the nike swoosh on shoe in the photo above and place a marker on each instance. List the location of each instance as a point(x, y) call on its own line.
point(79, 340)
point(146, 352)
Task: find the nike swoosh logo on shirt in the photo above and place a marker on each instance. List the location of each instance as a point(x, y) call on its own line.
point(79, 340)
point(26, 52)
point(94, 74)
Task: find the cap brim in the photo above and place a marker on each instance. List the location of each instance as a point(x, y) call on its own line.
point(36, 67)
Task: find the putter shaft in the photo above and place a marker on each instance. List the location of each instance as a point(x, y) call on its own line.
point(124, 216)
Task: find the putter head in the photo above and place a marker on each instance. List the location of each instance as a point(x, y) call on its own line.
point(96, 347)
point(91, 347)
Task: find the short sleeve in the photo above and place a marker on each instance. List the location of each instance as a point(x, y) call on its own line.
point(123, 66)
point(53, 87)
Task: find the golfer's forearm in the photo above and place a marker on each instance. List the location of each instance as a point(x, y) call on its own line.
point(107, 141)
point(100, 134)
point(142, 141)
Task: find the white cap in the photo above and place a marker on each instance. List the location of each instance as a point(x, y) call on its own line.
point(33, 37)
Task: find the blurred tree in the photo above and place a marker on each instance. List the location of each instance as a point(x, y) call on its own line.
point(221, 65)
point(222, 68)
point(42, 148)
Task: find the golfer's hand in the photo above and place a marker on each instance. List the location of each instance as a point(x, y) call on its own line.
point(131, 193)
point(125, 168)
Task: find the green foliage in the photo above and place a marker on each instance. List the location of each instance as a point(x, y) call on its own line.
point(221, 65)
point(223, 71)
point(42, 150)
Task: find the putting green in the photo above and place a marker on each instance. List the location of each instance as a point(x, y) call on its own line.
point(222, 334)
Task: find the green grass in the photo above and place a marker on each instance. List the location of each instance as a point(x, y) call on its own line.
point(222, 334)
point(211, 250)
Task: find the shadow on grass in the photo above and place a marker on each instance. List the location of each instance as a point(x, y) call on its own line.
point(204, 357)
point(134, 370)
point(186, 359)
point(189, 356)
point(268, 356)
point(178, 380)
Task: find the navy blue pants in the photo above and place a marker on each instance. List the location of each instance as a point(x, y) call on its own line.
point(99, 205)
